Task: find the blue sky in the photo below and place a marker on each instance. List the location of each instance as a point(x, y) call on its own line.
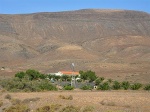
point(31, 6)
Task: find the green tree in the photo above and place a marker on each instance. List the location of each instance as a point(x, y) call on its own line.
point(88, 75)
point(91, 76)
point(33, 74)
point(57, 77)
point(20, 75)
point(42, 76)
point(83, 75)
point(64, 77)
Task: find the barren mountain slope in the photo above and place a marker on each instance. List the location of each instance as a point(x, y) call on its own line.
point(114, 43)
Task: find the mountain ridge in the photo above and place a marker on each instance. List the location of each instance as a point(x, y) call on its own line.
point(101, 40)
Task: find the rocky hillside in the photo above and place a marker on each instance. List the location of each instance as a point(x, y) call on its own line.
point(114, 43)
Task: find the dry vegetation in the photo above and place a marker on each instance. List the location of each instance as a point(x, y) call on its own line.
point(81, 101)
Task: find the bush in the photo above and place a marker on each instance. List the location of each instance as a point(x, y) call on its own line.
point(70, 97)
point(88, 109)
point(136, 86)
point(8, 96)
point(68, 87)
point(86, 87)
point(49, 108)
point(147, 87)
point(15, 101)
point(102, 78)
point(125, 85)
point(110, 80)
point(1, 103)
point(98, 81)
point(18, 108)
point(104, 86)
point(46, 85)
point(20, 75)
point(116, 85)
point(70, 109)
point(15, 85)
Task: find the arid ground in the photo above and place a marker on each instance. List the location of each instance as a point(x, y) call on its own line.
point(101, 101)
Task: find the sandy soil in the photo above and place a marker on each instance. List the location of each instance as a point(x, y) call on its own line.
point(102, 101)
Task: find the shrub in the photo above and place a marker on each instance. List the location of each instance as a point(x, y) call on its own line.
point(68, 87)
point(88, 109)
point(20, 75)
point(136, 86)
point(1, 103)
point(102, 78)
point(86, 87)
point(70, 97)
point(110, 80)
point(46, 85)
point(15, 101)
point(116, 85)
point(125, 85)
point(104, 86)
point(44, 109)
point(98, 81)
point(18, 108)
point(62, 97)
point(49, 108)
point(70, 109)
point(8, 96)
point(15, 85)
point(147, 87)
